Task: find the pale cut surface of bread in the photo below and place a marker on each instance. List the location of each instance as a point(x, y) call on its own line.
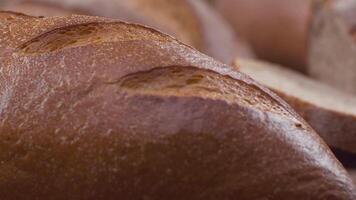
point(276, 29)
point(330, 112)
point(92, 108)
point(332, 56)
point(192, 21)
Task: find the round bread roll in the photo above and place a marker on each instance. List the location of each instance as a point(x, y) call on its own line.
point(93, 108)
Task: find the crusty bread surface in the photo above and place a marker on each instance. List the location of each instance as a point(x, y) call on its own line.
point(93, 108)
point(330, 112)
point(192, 21)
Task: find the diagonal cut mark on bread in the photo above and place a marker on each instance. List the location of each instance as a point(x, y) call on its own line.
point(189, 81)
point(90, 33)
point(191, 21)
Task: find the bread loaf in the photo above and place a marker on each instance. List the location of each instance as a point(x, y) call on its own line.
point(276, 29)
point(330, 112)
point(92, 108)
point(333, 44)
point(192, 21)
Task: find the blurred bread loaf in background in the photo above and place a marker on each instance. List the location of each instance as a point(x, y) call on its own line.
point(192, 21)
point(276, 29)
point(332, 50)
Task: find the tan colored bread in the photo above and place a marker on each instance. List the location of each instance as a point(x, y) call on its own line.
point(333, 44)
point(276, 29)
point(192, 21)
point(92, 108)
point(330, 112)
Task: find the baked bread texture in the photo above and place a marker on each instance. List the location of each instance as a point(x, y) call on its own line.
point(93, 108)
point(330, 112)
point(333, 44)
point(192, 21)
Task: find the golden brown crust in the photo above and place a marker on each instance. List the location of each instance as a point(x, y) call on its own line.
point(102, 120)
point(192, 21)
point(19, 28)
point(330, 112)
point(338, 129)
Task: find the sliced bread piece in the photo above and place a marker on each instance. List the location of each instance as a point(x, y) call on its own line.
point(192, 21)
point(333, 44)
point(330, 112)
